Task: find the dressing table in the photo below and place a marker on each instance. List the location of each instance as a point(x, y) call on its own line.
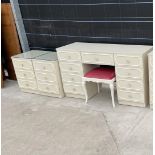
point(131, 67)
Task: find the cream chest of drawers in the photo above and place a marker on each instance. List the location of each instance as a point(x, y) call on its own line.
point(130, 63)
point(150, 62)
point(72, 71)
point(38, 72)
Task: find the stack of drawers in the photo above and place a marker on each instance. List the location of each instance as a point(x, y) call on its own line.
point(72, 71)
point(38, 72)
point(47, 73)
point(130, 79)
point(24, 70)
point(150, 60)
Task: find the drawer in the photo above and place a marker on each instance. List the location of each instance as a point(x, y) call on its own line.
point(130, 85)
point(24, 74)
point(27, 84)
point(73, 68)
point(132, 73)
point(44, 66)
point(71, 78)
point(46, 77)
point(73, 89)
point(95, 58)
point(69, 56)
point(48, 88)
point(130, 96)
point(23, 64)
point(125, 60)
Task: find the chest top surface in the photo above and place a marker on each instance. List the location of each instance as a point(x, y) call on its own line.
point(105, 48)
point(30, 54)
point(50, 56)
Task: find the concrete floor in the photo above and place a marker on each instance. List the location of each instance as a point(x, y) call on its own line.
point(40, 125)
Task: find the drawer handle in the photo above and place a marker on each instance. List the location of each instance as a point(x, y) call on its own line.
point(45, 78)
point(72, 79)
point(24, 75)
point(127, 61)
point(71, 68)
point(96, 59)
point(74, 89)
point(27, 85)
point(129, 74)
point(69, 57)
point(22, 65)
point(130, 96)
point(44, 67)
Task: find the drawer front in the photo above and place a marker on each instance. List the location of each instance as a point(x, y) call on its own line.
point(125, 60)
point(27, 84)
point(24, 74)
point(101, 59)
point(48, 88)
point(132, 73)
point(71, 78)
point(23, 64)
point(49, 77)
point(130, 96)
point(71, 68)
point(130, 85)
point(44, 66)
point(69, 56)
point(73, 89)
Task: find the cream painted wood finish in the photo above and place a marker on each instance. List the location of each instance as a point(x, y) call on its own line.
point(150, 62)
point(38, 72)
point(130, 63)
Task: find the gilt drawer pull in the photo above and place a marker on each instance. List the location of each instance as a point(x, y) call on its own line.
point(96, 59)
point(74, 89)
point(129, 74)
point(45, 78)
point(127, 61)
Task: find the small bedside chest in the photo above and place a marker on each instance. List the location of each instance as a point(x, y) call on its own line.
point(38, 72)
point(47, 74)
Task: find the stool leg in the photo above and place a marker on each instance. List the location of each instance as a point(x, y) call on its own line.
point(85, 91)
point(98, 87)
point(112, 94)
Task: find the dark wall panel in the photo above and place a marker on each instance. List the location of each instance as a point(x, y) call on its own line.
point(53, 23)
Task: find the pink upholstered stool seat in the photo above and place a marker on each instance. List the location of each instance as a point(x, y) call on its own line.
point(104, 74)
point(107, 73)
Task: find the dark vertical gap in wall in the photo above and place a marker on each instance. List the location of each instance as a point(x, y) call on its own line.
point(54, 23)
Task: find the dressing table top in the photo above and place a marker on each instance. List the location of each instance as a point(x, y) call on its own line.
point(106, 48)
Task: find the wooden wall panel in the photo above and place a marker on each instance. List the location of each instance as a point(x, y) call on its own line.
point(10, 40)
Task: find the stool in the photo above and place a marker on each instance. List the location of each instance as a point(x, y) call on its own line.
point(105, 74)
